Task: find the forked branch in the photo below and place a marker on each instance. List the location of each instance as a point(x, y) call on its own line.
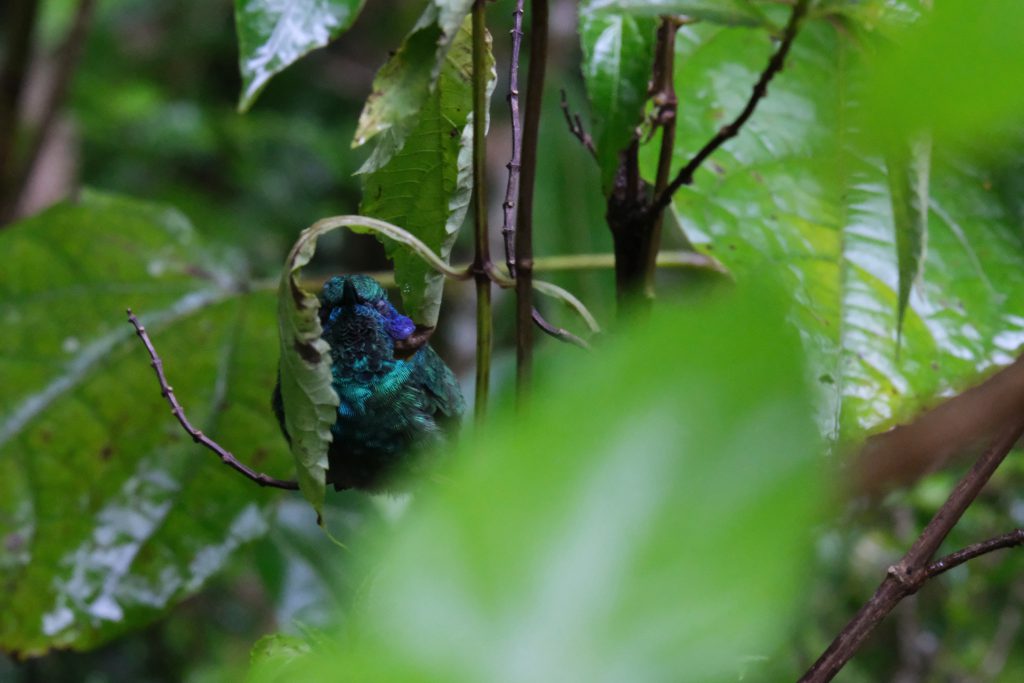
point(775, 64)
point(167, 392)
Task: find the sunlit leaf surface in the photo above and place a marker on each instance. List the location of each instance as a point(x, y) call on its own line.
point(602, 539)
point(108, 512)
point(273, 34)
point(795, 191)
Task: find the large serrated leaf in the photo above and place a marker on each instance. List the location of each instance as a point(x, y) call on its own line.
point(794, 189)
point(633, 546)
point(109, 514)
point(273, 34)
point(403, 84)
point(310, 402)
point(618, 54)
point(425, 188)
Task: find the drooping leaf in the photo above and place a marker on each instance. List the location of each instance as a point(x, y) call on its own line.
point(796, 188)
point(634, 545)
point(310, 402)
point(109, 514)
point(426, 187)
point(402, 85)
point(273, 34)
point(729, 12)
point(907, 172)
point(618, 54)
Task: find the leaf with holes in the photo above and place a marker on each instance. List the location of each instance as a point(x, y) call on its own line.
point(426, 187)
point(109, 514)
point(401, 87)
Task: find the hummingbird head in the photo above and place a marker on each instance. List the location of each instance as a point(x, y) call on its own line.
point(360, 306)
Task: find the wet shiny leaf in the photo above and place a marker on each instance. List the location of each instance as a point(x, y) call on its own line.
point(618, 53)
point(109, 514)
point(795, 189)
point(273, 34)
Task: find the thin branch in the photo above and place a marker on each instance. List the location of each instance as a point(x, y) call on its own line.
point(524, 233)
point(775, 64)
point(514, 165)
point(663, 92)
point(575, 124)
point(906, 577)
point(167, 392)
point(66, 62)
point(19, 18)
point(559, 333)
point(943, 565)
point(481, 250)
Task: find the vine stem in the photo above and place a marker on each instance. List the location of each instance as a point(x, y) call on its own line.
point(481, 252)
point(525, 315)
point(167, 392)
point(908, 575)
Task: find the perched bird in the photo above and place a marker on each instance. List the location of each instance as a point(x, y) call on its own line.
point(392, 408)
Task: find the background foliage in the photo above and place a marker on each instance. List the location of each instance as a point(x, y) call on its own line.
point(122, 541)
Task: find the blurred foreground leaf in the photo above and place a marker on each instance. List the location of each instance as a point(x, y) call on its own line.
point(273, 34)
point(958, 73)
point(109, 514)
point(649, 521)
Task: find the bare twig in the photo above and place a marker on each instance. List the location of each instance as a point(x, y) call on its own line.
point(558, 333)
point(167, 392)
point(775, 64)
point(575, 124)
point(944, 564)
point(514, 165)
point(907, 576)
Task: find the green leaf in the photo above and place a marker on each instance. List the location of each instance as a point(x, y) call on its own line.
point(646, 519)
point(795, 189)
point(729, 12)
point(403, 84)
point(310, 402)
point(426, 187)
point(109, 514)
point(908, 192)
point(272, 35)
point(951, 74)
point(618, 54)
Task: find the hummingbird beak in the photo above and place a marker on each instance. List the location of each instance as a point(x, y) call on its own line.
point(348, 294)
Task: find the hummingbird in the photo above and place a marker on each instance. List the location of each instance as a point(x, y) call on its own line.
point(393, 407)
